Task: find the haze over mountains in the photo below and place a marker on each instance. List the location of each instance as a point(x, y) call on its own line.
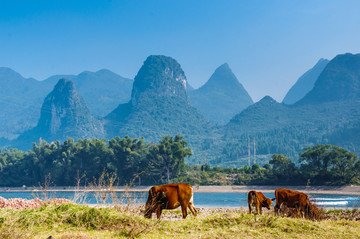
point(161, 103)
point(340, 80)
point(21, 99)
point(221, 97)
point(102, 90)
point(305, 83)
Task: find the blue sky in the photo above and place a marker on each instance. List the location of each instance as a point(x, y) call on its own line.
point(268, 44)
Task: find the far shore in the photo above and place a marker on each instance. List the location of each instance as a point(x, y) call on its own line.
point(350, 190)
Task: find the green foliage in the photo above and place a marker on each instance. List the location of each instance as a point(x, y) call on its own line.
point(284, 129)
point(86, 160)
point(126, 158)
point(167, 158)
point(320, 165)
point(283, 169)
point(329, 164)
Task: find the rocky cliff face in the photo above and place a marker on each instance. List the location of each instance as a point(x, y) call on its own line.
point(64, 114)
point(160, 76)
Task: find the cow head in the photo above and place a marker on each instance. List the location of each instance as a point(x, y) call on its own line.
point(156, 199)
point(267, 203)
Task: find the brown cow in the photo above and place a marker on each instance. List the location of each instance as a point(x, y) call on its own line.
point(170, 196)
point(292, 199)
point(258, 200)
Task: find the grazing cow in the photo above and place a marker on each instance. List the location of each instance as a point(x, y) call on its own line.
point(170, 196)
point(292, 199)
point(258, 200)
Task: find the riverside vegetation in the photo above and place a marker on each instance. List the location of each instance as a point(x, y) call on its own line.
point(127, 159)
point(80, 221)
point(78, 163)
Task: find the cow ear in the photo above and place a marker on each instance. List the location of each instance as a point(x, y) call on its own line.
point(273, 199)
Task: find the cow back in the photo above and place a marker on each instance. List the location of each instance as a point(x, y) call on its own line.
point(176, 194)
point(291, 198)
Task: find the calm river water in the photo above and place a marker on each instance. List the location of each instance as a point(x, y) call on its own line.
point(201, 199)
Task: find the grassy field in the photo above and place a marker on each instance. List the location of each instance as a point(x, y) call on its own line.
point(80, 221)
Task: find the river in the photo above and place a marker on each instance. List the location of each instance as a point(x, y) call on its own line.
point(201, 199)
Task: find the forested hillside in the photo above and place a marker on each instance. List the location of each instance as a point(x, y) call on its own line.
point(329, 113)
point(160, 106)
point(221, 97)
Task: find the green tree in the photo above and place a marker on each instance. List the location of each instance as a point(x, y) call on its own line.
point(128, 157)
point(167, 159)
point(329, 165)
point(283, 169)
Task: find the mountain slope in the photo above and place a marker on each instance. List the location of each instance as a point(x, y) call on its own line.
point(102, 90)
point(340, 80)
point(63, 114)
point(221, 97)
point(305, 83)
point(328, 114)
point(159, 106)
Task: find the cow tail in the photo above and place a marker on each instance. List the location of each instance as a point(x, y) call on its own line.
point(307, 208)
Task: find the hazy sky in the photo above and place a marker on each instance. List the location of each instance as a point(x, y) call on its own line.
point(268, 44)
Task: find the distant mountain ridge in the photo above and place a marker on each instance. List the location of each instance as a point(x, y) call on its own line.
point(20, 102)
point(221, 97)
point(305, 83)
point(160, 105)
point(102, 90)
point(21, 98)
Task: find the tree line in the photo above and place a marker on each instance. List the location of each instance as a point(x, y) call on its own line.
point(86, 159)
point(70, 162)
point(318, 165)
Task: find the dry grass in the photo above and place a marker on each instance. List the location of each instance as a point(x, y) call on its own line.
point(79, 221)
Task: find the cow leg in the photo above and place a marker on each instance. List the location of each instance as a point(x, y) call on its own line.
point(158, 212)
point(184, 210)
point(302, 213)
point(260, 207)
point(249, 208)
point(276, 209)
point(298, 212)
point(192, 209)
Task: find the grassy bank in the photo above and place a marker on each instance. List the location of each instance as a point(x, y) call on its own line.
point(80, 221)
